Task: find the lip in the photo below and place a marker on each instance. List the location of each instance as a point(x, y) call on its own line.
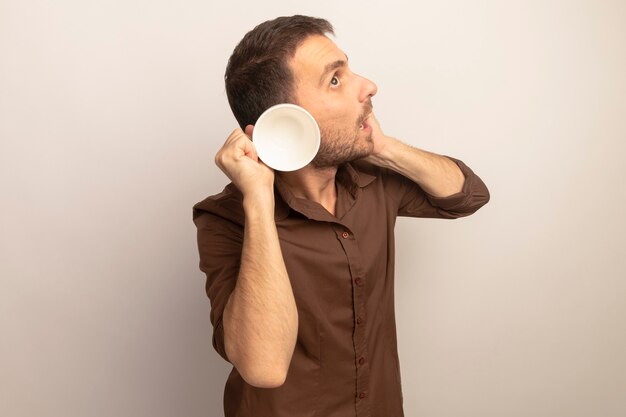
point(366, 126)
point(364, 122)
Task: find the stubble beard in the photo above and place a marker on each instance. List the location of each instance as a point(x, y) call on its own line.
point(338, 146)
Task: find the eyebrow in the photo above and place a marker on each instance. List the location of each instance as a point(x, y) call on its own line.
point(333, 66)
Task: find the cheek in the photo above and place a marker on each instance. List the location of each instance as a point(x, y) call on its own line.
point(338, 116)
point(339, 125)
point(333, 112)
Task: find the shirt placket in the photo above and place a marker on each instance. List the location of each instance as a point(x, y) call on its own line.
point(361, 359)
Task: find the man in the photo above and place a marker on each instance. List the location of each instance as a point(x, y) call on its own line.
point(300, 265)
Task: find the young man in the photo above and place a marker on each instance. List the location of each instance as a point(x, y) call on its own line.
point(300, 265)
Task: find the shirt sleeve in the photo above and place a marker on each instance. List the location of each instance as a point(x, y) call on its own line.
point(415, 202)
point(220, 242)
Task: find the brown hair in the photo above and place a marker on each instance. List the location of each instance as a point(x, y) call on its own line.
point(258, 75)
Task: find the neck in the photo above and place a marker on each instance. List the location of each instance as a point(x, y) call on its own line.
point(314, 184)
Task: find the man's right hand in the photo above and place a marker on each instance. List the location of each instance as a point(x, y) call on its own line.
point(239, 161)
point(261, 350)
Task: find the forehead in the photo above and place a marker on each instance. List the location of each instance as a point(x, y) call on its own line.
point(312, 56)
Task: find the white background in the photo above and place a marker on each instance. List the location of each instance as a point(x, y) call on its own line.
point(111, 113)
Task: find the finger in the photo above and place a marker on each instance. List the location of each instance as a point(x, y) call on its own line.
point(373, 121)
point(249, 130)
point(250, 150)
point(233, 136)
point(237, 141)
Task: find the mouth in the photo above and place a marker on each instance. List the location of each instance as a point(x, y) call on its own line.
point(364, 125)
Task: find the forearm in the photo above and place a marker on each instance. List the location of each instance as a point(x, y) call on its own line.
point(260, 319)
point(435, 174)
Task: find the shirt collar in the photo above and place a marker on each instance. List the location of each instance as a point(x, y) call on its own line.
point(349, 179)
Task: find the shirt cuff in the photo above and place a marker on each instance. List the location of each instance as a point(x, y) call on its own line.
point(462, 198)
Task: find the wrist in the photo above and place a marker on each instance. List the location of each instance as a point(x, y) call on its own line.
point(387, 155)
point(258, 200)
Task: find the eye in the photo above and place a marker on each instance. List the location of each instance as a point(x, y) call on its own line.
point(334, 80)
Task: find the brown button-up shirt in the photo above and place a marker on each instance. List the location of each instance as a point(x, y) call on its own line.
point(341, 270)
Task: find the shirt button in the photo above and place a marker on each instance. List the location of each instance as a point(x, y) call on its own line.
point(361, 395)
point(345, 235)
point(359, 320)
point(357, 280)
point(361, 361)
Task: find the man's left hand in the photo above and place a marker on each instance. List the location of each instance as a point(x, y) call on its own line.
point(437, 175)
point(382, 143)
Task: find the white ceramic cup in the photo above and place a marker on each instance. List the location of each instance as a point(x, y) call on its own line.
point(286, 137)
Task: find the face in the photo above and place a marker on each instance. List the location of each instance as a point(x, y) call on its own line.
point(338, 99)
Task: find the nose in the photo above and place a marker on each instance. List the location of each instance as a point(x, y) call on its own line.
point(368, 89)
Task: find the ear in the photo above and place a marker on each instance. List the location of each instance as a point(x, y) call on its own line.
point(249, 130)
